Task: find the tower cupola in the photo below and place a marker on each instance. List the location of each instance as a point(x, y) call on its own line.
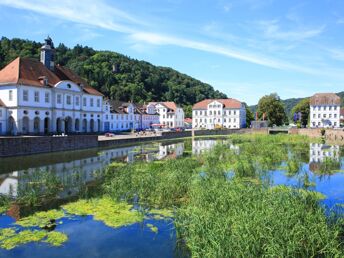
point(48, 53)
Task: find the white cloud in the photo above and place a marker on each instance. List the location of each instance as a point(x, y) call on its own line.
point(102, 15)
point(272, 30)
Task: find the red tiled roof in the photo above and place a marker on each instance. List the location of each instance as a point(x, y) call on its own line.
point(169, 104)
point(228, 103)
point(66, 74)
point(28, 71)
point(325, 99)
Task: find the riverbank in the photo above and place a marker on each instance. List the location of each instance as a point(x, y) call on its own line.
point(28, 145)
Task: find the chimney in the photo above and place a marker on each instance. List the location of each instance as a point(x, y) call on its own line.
point(48, 53)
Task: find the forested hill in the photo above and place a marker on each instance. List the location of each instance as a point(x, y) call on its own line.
point(290, 103)
point(130, 80)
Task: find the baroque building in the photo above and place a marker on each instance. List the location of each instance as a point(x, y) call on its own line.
point(39, 97)
point(325, 110)
point(219, 113)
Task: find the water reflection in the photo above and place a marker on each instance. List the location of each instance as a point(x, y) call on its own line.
point(75, 173)
point(200, 146)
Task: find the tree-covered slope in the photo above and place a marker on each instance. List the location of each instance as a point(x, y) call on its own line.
point(130, 80)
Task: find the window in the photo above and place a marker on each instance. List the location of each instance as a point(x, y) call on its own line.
point(84, 102)
point(335, 115)
point(0, 113)
point(98, 102)
point(59, 100)
point(91, 102)
point(69, 100)
point(10, 95)
point(335, 107)
point(77, 101)
point(47, 97)
point(25, 95)
point(36, 96)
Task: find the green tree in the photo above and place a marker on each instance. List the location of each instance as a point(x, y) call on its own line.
point(272, 106)
point(303, 107)
point(249, 115)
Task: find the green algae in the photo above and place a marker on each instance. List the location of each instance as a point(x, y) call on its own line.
point(161, 213)
point(152, 228)
point(10, 239)
point(111, 213)
point(56, 238)
point(41, 219)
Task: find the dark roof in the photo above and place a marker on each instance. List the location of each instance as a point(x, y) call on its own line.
point(325, 99)
point(30, 72)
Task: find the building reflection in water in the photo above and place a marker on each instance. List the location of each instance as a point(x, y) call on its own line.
point(319, 152)
point(200, 146)
point(77, 173)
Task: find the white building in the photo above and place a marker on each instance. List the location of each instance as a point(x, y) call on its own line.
point(171, 116)
point(148, 115)
point(325, 110)
point(219, 113)
point(3, 118)
point(44, 98)
point(123, 116)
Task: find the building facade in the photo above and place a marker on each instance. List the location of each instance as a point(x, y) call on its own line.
point(124, 116)
point(219, 113)
point(170, 115)
point(44, 98)
point(325, 110)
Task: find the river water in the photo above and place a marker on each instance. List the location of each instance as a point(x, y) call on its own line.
point(90, 238)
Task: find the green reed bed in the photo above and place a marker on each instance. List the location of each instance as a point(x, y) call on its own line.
point(160, 183)
point(238, 219)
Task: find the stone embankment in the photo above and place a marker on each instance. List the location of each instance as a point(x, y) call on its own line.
point(18, 146)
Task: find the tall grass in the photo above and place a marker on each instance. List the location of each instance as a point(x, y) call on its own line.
point(237, 219)
point(162, 184)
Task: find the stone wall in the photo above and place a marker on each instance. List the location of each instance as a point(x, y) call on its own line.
point(17, 146)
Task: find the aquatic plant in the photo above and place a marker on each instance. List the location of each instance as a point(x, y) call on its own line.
point(10, 239)
point(110, 212)
point(162, 184)
point(41, 219)
point(56, 238)
point(4, 203)
point(162, 212)
point(236, 219)
point(152, 227)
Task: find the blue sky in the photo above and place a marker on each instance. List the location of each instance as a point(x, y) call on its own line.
point(244, 48)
